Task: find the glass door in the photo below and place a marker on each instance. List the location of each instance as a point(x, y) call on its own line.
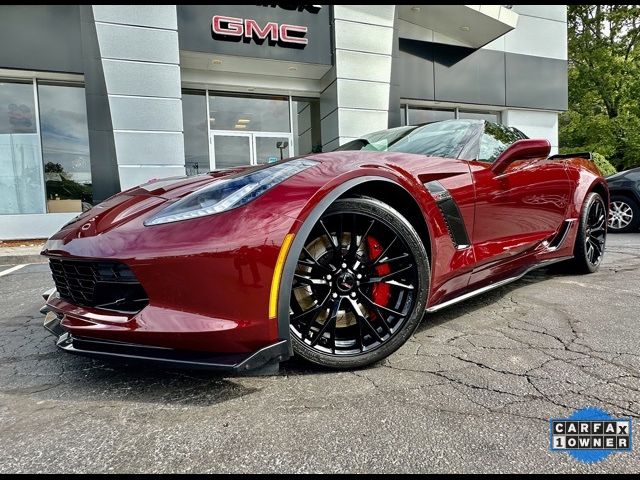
point(270, 148)
point(248, 130)
point(230, 149)
point(235, 149)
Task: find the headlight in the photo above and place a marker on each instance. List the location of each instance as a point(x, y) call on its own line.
point(228, 193)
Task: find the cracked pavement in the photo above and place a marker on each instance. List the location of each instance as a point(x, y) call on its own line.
point(472, 391)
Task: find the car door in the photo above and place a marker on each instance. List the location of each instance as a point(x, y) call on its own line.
point(442, 167)
point(517, 208)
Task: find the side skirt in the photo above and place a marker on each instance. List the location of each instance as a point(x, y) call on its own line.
point(498, 284)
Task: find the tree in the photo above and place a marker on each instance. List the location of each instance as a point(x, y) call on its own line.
point(604, 83)
point(51, 167)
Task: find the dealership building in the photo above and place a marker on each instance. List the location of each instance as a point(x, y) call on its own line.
point(95, 99)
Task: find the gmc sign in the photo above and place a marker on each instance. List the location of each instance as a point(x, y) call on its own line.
point(288, 32)
point(234, 28)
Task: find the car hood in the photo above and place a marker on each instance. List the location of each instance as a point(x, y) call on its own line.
point(138, 201)
point(177, 187)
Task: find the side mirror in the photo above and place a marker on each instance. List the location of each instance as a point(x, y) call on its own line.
point(521, 150)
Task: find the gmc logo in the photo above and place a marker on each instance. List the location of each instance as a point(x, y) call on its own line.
point(236, 29)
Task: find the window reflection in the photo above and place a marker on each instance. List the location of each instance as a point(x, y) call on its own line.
point(65, 148)
point(257, 114)
point(306, 127)
point(232, 151)
point(441, 139)
point(271, 149)
point(20, 159)
point(426, 115)
point(480, 115)
point(196, 145)
point(496, 139)
point(419, 115)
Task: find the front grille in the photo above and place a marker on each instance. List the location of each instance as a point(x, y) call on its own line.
point(98, 284)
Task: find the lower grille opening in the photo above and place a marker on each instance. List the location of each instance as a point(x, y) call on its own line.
point(106, 285)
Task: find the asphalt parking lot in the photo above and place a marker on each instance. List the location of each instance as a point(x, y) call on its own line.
point(473, 391)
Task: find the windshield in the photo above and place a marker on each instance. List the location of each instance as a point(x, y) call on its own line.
point(377, 141)
point(437, 139)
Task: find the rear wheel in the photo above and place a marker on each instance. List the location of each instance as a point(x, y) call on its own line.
point(360, 285)
point(592, 231)
point(624, 214)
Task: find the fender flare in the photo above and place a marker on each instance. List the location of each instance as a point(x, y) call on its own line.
point(286, 279)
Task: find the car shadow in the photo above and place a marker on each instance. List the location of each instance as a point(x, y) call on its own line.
point(45, 373)
point(299, 366)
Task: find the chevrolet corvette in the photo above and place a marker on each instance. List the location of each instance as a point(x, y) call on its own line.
point(334, 257)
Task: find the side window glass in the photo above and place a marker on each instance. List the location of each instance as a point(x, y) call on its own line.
point(495, 140)
point(490, 148)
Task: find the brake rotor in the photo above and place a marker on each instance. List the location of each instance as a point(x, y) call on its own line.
point(319, 248)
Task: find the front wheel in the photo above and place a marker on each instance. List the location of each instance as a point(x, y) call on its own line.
point(360, 285)
point(592, 231)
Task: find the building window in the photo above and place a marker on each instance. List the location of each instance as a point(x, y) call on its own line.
point(65, 147)
point(426, 115)
point(223, 131)
point(21, 180)
point(480, 115)
point(256, 114)
point(231, 150)
point(44, 148)
point(196, 145)
point(306, 127)
point(412, 115)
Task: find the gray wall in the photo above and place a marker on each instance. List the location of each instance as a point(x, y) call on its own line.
point(526, 68)
point(448, 73)
point(41, 37)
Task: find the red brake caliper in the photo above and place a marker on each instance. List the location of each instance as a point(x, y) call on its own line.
point(380, 291)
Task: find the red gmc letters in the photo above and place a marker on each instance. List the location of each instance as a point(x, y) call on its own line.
point(250, 29)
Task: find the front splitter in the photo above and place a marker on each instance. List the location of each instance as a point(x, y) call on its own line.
point(263, 361)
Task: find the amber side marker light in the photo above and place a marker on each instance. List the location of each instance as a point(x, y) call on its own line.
point(277, 275)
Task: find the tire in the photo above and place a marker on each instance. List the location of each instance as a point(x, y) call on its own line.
point(348, 308)
point(591, 236)
point(624, 214)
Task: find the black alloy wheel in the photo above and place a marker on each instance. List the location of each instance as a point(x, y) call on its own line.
point(592, 233)
point(360, 285)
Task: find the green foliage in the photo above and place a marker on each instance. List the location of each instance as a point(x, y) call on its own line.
point(68, 189)
point(604, 83)
point(51, 167)
point(603, 164)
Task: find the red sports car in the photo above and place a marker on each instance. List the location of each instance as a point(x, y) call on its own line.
point(335, 256)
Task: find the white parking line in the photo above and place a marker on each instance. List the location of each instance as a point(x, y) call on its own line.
point(12, 269)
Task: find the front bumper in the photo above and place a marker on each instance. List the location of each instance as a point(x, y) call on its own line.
point(264, 360)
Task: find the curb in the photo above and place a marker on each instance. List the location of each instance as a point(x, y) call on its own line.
point(22, 259)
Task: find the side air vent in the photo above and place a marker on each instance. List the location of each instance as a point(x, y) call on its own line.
point(451, 213)
point(557, 241)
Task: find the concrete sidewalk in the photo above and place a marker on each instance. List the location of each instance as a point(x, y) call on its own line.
point(15, 253)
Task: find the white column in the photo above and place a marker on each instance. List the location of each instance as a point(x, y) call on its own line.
point(356, 98)
point(140, 58)
point(534, 124)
